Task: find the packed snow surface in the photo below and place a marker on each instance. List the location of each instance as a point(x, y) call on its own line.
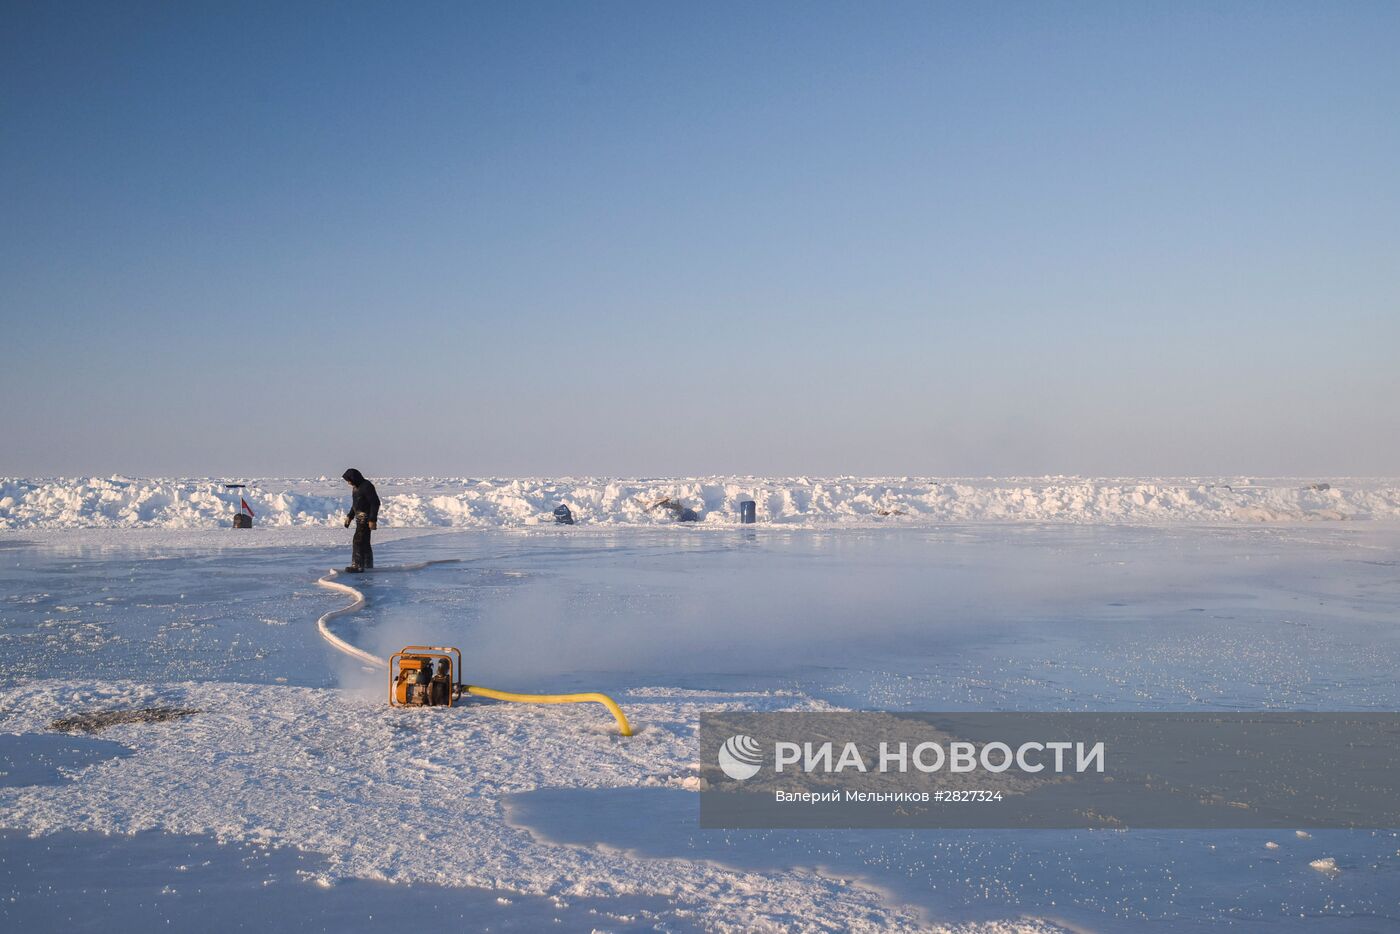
point(125, 502)
point(415, 795)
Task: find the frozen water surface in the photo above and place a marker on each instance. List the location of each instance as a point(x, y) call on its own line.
point(1100, 881)
point(49, 758)
point(150, 881)
point(980, 617)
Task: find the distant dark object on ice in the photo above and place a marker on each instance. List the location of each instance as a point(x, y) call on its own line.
point(682, 513)
point(99, 720)
point(563, 516)
point(1321, 487)
point(243, 518)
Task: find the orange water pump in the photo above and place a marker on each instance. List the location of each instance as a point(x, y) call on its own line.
point(431, 676)
point(425, 676)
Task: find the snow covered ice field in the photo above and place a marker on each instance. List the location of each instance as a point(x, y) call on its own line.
point(295, 798)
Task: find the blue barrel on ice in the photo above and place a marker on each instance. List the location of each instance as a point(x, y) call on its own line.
point(748, 512)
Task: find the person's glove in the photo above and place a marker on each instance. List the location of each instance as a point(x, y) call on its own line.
point(347, 522)
point(373, 524)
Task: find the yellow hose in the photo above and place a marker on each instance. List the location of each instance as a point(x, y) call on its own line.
point(591, 698)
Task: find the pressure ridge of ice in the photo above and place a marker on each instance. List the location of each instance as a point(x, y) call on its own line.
point(125, 502)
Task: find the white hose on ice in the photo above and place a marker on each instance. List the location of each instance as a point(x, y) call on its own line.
point(330, 583)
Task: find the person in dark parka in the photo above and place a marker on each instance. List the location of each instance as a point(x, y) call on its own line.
point(364, 511)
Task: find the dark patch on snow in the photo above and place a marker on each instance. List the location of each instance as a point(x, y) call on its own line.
point(99, 720)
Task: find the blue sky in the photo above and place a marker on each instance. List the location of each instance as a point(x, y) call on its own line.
point(657, 239)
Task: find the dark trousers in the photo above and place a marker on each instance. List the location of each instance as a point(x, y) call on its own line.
point(362, 555)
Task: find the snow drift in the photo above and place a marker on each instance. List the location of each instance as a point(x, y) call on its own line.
point(799, 501)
